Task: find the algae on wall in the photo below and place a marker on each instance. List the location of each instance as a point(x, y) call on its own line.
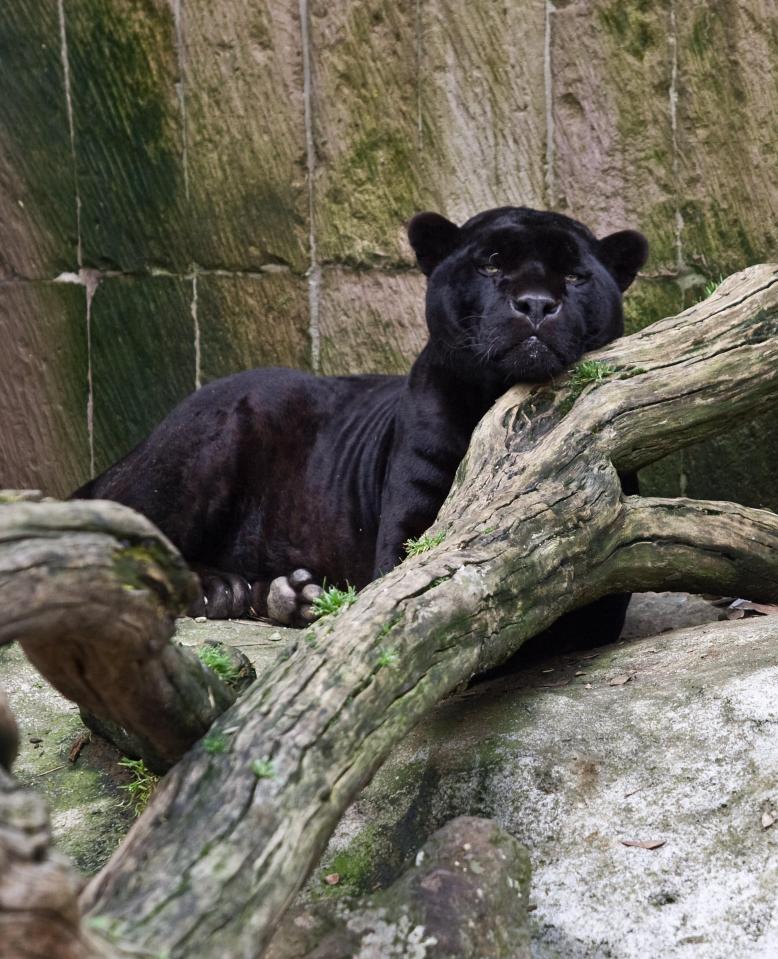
point(235, 181)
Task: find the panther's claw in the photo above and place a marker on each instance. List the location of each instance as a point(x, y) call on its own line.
point(224, 596)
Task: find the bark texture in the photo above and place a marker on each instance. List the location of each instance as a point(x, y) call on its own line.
point(91, 591)
point(535, 525)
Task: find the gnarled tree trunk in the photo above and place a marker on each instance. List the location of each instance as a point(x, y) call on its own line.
point(91, 591)
point(535, 525)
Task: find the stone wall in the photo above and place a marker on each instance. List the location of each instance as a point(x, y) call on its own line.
point(190, 187)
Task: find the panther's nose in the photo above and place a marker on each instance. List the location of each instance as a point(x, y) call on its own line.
point(536, 307)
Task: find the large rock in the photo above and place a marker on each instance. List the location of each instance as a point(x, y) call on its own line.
point(667, 741)
point(464, 897)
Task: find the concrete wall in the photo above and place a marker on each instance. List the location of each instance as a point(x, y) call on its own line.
point(190, 187)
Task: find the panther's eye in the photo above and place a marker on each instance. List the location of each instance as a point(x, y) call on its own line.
point(489, 267)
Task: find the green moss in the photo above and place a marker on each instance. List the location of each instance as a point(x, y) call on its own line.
point(716, 237)
point(356, 866)
point(650, 300)
point(124, 68)
point(700, 38)
point(634, 25)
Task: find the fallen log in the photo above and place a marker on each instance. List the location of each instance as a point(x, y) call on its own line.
point(91, 591)
point(535, 526)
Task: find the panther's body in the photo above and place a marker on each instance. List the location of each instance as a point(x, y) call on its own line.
point(270, 470)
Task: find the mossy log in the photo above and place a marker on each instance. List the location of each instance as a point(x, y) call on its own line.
point(535, 526)
point(91, 591)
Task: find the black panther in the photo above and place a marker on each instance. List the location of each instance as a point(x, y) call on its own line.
point(275, 476)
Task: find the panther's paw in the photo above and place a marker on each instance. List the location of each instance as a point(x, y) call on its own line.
point(224, 596)
point(290, 598)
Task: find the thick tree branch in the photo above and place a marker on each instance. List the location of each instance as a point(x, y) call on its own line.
point(535, 526)
point(91, 591)
point(695, 546)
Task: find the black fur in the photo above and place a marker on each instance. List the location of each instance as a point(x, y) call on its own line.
point(270, 470)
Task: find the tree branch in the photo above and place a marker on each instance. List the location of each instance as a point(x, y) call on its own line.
point(91, 591)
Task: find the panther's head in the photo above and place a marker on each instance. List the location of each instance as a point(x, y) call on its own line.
point(521, 294)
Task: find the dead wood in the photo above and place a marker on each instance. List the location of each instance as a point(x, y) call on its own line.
point(91, 591)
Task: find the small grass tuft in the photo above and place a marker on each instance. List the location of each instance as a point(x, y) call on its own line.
point(590, 371)
point(712, 285)
point(218, 661)
point(415, 547)
point(332, 600)
point(215, 744)
point(142, 785)
point(263, 769)
point(388, 656)
point(581, 376)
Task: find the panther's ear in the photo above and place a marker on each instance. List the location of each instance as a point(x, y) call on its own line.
point(623, 253)
point(432, 237)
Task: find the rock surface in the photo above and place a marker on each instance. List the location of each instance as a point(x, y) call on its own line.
point(668, 741)
point(464, 897)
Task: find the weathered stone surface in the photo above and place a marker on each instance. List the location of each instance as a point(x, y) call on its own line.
point(612, 157)
point(89, 814)
point(143, 358)
point(371, 322)
point(38, 232)
point(128, 133)
point(682, 752)
point(44, 441)
point(261, 642)
point(365, 114)
point(667, 739)
point(465, 897)
point(727, 135)
point(481, 126)
point(415, 106)
point(245, 132)
point(249, 321)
